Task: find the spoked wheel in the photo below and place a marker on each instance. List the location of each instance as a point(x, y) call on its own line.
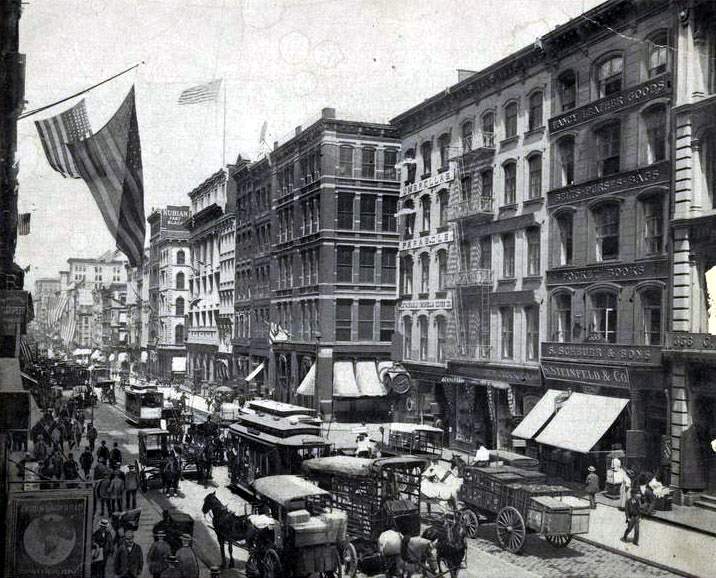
point(272, 565)
point(511, 530)
point(559, 541)
point(349, 560)
point(337, 572)
point(471, 522)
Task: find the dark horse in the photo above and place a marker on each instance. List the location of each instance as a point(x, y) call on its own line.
point(228, 526)
point(451, 541)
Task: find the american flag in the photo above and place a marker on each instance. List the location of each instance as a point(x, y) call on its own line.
point(201, 93)
point(68, 325)
point(110, 162)
point(23, 225)
point(55, 132)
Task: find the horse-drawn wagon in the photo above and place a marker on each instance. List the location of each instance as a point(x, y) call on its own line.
point(519, 502)
point(412, 439)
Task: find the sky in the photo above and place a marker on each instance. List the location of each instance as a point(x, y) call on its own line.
point(282, 61)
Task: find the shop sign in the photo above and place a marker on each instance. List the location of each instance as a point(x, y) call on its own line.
point(429, 183)
point(485, 374)
point(609, 185)
point(174, 217)
point(653, 88)
point(625, 272)
point(604, 375)
point(444, 237)
point(426, 304)
point(604, 352)
point(13, 310)
point(691, 341)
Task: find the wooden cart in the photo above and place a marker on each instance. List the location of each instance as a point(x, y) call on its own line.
point(519, 501)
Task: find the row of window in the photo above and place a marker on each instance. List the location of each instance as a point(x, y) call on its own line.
point(252, 324)
point(252, 282)
point(308, 260)
point(367, 167)
point(367, 210)
point(299, 319)
point(374, 320)
point(368, 265)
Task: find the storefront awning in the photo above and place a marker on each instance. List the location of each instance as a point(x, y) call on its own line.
point(258, 369)
point(581, 422)
point(178, 364)
point(538, 416)
point(369, 384)
point(79, 351)
point(308, 384)
point(344, 380)
point(144, 356)
point(122, 357)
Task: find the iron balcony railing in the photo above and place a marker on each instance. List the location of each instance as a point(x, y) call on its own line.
point(473, 277)
point(473, 207)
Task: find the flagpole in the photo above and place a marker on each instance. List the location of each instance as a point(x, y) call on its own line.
point(223, 151)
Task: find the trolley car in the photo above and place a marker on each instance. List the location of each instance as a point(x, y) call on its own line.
point(413, 439)
point(143, 405)
point(279, 409)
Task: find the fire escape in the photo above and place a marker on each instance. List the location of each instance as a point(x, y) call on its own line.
point(471, 285)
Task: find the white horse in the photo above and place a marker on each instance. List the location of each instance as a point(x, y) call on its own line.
point(404, 555)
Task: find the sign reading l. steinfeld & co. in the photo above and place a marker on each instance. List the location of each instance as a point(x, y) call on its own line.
point(603, 375)
point(652, 174)
point(437, 180)
point(426, 304)
point(437, 239)
point(49, 534)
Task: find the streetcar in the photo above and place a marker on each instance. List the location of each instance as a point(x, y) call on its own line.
point(143, 405)
point(99, 373)
point(261, 445)
point(280, 409)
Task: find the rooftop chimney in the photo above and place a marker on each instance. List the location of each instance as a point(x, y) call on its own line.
point(328, 113)
point(299, 128)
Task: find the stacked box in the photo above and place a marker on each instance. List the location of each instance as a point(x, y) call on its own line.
point(337, 523)
point(310, 533)
point(297, 517)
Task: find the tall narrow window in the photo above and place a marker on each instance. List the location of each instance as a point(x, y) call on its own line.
point(390, 206)
point(367, 265)
point(180, 281)
point(467, 136)
point(488, 130)
point(608, 149)
point(652, 317)
point(411, 164)
point(655, 129)
point(535, 113)
point(465, 255)
point(180, 257)
point(344, 319)
point(606, 221)
point(534, 166)
point(604, 316)
point(390, 160)
point(426, 206)
point(387, 320)
point(423, 329)
point(653, 209)
point(508, 255)
point(565, 153)
point(366, 311)
point(507, 332)
point(345, 211)
point(344, 264)
point(562, 318)
point(564, 229)
point(345, 163)
point(442, 258)
point(179, 306)
point(609, 76)
point(486, 183)
point(424, 273)
point(511, 120)
point(485, 261)
point(407, 338)
point(443, 209)
point(444, 144)
point(179, 334)
point(406, 275)
point(510, 170)
point(441, 330)
point(426, 151)
point(532, 332)
point(466, 186)
point(367, 212)
point(409, 227)
point(368, 163)
point(533, 251)
point(567, 90)
point(388, 266)
point(658, 53)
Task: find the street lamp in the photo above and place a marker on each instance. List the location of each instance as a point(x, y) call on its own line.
point(316, 398)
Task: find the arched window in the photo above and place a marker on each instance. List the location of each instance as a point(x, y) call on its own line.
point(652, 211)
point(652, 318)
point(441, 330)
point(411, 164)
point(533, 251)
point(511, 120)
point(407, 337)
point(606, 231)
point(426, 205)
point(565, 161)
point(562, 317)
point(567, 89)
point(488, 130)
point(179, 306)
point(409, 226)
point(608, 141)
point(565, 223)
point(179, 334)
point(609, 76)
point(444, 144)
point(443, 208)
point(467, 136)
point(426, 151)
point(486, 184)
point(406, 275)
point(424, 273)
point(535, 112)
point(654, 120)
point(442, 258)
point(534, 167)
point(180, 257)
point(510, 173)
point(658, 53)
point(423, 328)
point(180, 281)
point(603, 316)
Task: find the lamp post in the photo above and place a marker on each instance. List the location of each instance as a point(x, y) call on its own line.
point(316, 398)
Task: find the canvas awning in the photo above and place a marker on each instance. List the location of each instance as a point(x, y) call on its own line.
point(344, 380)
point(581, 422)
point(369, 384)
point(308, 384)
point(144, 356)
point(178, 364)
point(79, 351)
point(258, 369)
point(538, 416)
point(122, 357)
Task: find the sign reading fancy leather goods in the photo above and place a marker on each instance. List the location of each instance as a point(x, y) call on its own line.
point(605, 375)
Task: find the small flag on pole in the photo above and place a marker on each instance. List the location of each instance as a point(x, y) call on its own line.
point(27, 269)
point(23, 225)
point(202, 93)
point(55, 132)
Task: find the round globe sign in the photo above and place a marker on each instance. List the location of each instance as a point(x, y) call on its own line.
point(401, 383)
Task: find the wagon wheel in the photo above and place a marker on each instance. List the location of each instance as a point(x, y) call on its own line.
point(471, 523)
point(511, 530)
point(337, 571)
point(349, 560)
point(560, 540)
point(272, 564)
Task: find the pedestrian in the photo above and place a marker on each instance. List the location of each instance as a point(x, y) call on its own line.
point(77, 432)
point(129, 560)
point(131, 484)
point(86, 460)
point(592, 486)
point(625, 487)
point(105, 495)
point(97, 564)
point(157, 555)
point(71, 469)
point(116, 489)
point(633, 516)
point(21, 466)
point(40, 449)
point(103, 451)
point(91, 435)
point(104, 539)
point(115, 457)
point(172, 570)
point(101, 470)
point(56, 436)
point(188, 563)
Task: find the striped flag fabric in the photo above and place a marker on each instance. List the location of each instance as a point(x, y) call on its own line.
point(56, 132)
point(69, 323)
point(201, 93)
point(110, 162)
point(60, 305)
point(26, 351)
point(23, 224)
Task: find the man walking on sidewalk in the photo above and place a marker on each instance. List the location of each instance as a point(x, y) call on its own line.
point(91, 435)
point(131, 484)
point(592, 486)
point(157, 556)
point(86, 460)
point(187, 559)
point(633, 515)
point(129, 561)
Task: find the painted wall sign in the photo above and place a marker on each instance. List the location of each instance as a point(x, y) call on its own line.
point(429, 183)
point(656, 173)
point(13, 310)
point(605, 375)
point(616, 272)
point(512, 375)
point(426, 304)
point(174, 217)
point(653, 88)
point(444, 237)
point(604, 352)
point(691, 341)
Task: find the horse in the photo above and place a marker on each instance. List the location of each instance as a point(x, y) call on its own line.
point(228, 526)
point(404, 555)
point(451, 542)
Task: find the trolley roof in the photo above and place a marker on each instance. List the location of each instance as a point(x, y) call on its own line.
point(413, 427)
point(349, 466)
point(278, 407)
point(287, 488)
point(296, 440)
point(152, 431)
point(278, 426)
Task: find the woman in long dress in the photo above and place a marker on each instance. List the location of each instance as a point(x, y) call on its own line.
point(624, 489)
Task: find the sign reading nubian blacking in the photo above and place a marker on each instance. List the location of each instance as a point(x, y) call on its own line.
point(603, 375)
point(49, 534)
point(173, 217)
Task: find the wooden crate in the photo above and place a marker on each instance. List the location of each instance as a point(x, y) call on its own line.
point(549, 516)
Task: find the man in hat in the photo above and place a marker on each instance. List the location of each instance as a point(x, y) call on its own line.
point(71, 469)
point(115, 456)
point(131, 484)
point(633, 515)
point(91, 435)
point(129, 561)
point(103, 451)
point(172, 570)
point(187, 559)
point(592, 486)
point(116, 490)
point(86, 460)
point(158, 553)
point(105, 495)
point(104, 539)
